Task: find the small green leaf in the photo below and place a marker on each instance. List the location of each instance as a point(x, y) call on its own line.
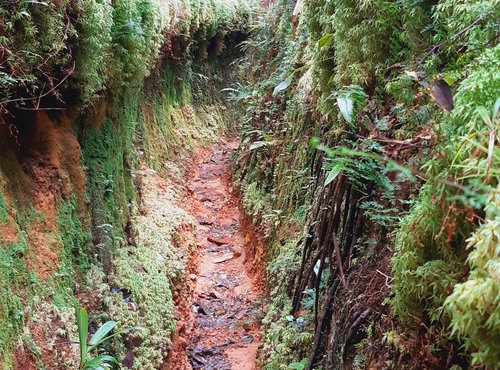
point(259, 144)
point(416, 75)
point(346, 108)
point(300, 69)
point(283, 85)
point(298, 365)
point(483, 112)
point(333, 174)
point(325, 40)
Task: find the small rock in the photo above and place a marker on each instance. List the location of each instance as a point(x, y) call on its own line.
point(218, 241)
point(224, 258)
point(183, 342)
point(193, 277)
point(214, 294)
point(247, 339)
point(181, 327)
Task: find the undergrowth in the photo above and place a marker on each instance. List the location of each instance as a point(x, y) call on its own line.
point(400, 99)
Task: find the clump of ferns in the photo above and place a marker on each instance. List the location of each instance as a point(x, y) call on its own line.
point(474, 305)
point(452, 217)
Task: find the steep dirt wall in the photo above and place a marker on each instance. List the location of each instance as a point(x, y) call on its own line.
point(81, 145)
point(43, 188)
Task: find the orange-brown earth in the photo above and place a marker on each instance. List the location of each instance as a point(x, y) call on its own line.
point(219, 309)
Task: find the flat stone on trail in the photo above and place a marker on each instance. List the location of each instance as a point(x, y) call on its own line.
point(218, 241)
point(224, 258)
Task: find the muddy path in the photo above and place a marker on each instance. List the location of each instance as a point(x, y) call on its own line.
point(220, 309)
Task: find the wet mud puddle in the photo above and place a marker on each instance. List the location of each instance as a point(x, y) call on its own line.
point(225, 296)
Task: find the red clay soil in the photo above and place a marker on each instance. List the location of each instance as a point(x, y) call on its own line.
point(51, 160)
point(8, 232)
point(219, 309)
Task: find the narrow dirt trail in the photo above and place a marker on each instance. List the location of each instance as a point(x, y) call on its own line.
point(223, 330)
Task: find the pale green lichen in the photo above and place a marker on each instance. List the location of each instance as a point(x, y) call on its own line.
point(255, 201)
point(58, 329)
point(148, 271)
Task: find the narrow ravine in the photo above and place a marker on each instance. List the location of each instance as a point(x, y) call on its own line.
point(222, 328)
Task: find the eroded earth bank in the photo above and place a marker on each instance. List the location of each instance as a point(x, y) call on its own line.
point(368, 162)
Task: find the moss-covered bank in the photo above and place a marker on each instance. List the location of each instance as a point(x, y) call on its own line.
point(95, 97)
point(370, 155)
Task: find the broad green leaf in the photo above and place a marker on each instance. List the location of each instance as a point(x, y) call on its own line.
point(346, 108)
point(325, 40)
point(82, 321)
point(91, 348)
point(99, 361)
point(283, 85)
point(102, 332)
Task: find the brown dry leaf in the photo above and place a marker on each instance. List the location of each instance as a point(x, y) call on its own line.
point(442, 94)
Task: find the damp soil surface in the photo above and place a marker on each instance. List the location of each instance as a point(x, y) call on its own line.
point(219, 310)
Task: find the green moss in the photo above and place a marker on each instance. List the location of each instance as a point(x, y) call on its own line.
point(12, 290)
point(170, 125)
point(74, 255)
point(286, 339)
point(432, 243)
point(138, 271)
point(379, 45)
point(255, 201)
point(148, 271)
point(4, 212)
point(113, 46)
point(108, 156)
point(93, 51)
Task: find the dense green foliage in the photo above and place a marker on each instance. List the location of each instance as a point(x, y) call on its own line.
point(364, 77)
point(92, 47)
